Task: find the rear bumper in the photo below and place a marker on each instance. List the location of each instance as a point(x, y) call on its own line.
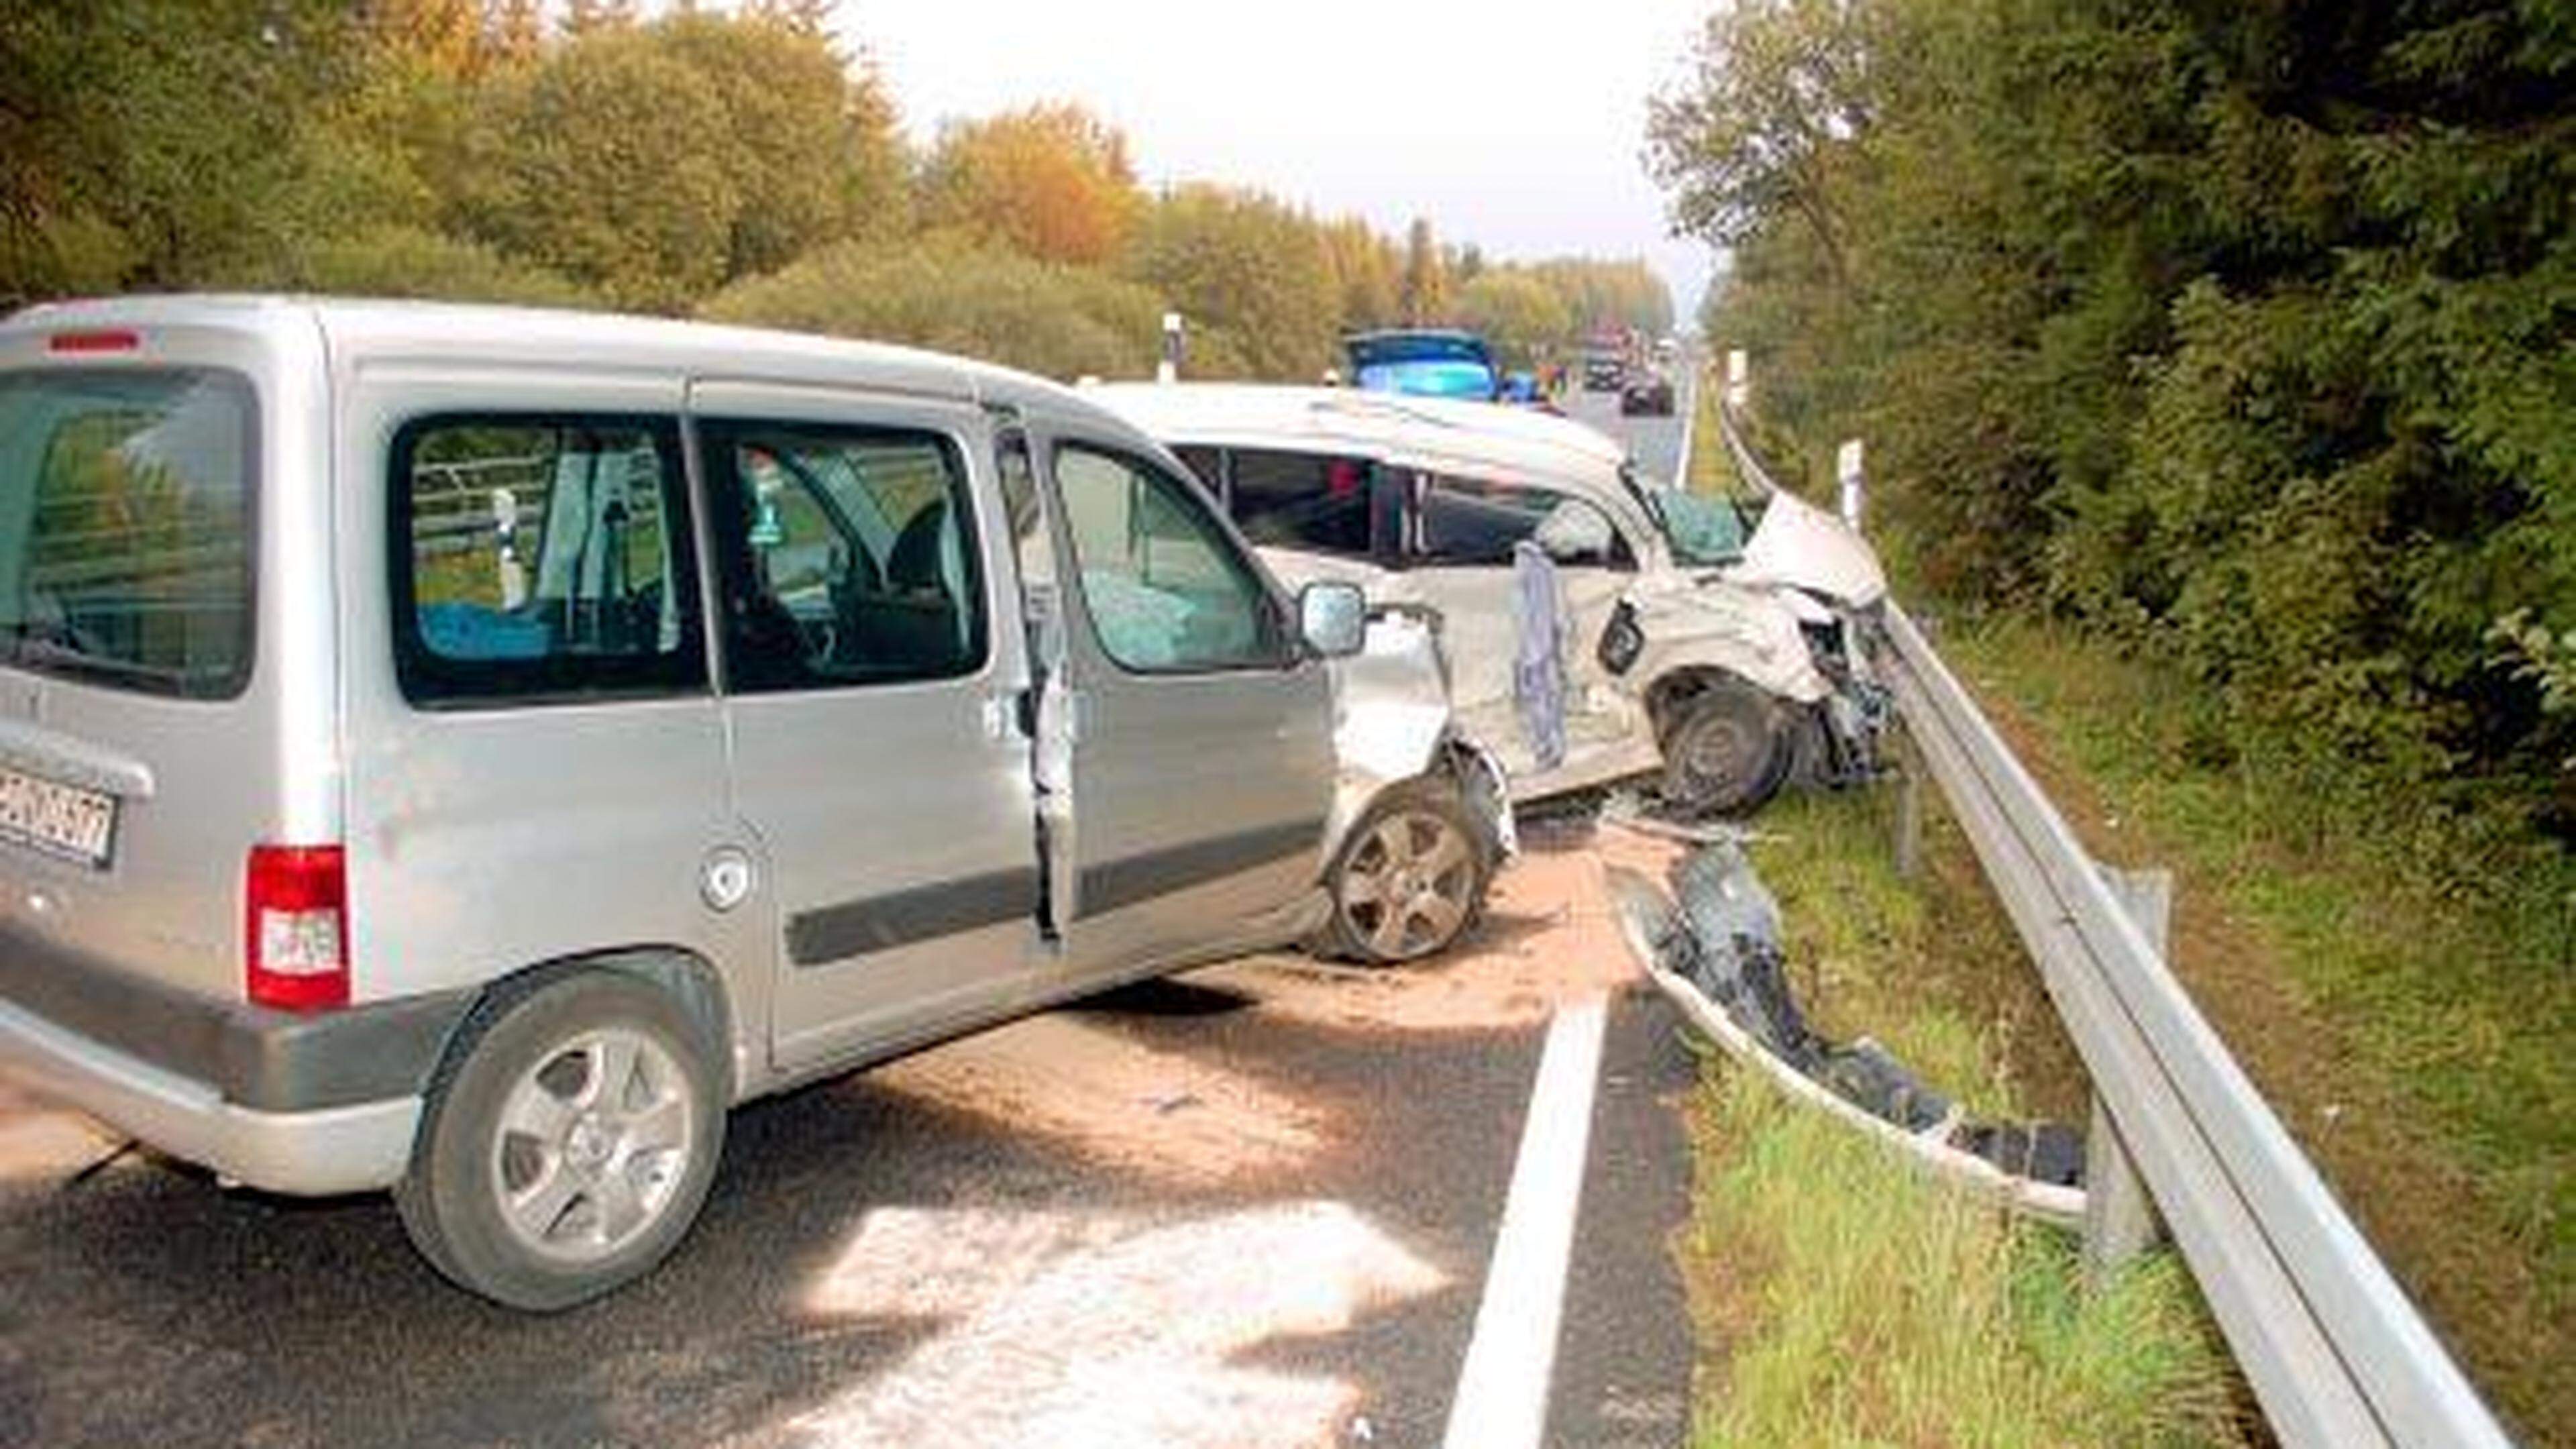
point(308, 1104)
point(355, 1148)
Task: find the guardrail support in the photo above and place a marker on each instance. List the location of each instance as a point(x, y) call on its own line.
point(1909, 807)
point(2120, 1219)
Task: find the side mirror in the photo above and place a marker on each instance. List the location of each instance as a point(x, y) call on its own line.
point(1332, 617)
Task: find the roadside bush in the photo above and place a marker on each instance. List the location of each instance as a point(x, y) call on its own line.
point(944, 292)
point(403, 261)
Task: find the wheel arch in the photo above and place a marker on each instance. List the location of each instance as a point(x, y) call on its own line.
point(692, 983)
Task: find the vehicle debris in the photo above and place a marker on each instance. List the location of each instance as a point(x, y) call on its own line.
point(1713, 943)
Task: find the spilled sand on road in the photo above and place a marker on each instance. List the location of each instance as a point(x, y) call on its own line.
point(41, 1140)
point(1548, 939)
point(1171, 1117)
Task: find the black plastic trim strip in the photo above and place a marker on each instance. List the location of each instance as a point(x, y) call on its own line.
point(1116, 883)
point(834, 933)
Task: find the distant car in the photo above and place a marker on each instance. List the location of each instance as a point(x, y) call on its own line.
point(1523, 390)
point(1603, 371)
point(1647, 393)
point(1424, 362)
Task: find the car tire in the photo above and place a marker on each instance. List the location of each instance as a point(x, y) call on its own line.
point(1726, 752)
point(1410, 878)
point(568, 1142)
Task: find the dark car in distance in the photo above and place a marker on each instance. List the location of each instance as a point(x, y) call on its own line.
point(1646, 392)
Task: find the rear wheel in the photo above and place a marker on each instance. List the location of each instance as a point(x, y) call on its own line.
point(1411, 878)
point(1726, 751)
point(568, 1145)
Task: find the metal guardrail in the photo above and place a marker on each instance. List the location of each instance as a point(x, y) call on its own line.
point(2333, 1348)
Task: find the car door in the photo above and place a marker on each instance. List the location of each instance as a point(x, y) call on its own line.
point(1460, 534)
point(1202, 762)
point(869, 677)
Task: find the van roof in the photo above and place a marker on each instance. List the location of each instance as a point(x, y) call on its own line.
point(1477, 439)
point(360, 326)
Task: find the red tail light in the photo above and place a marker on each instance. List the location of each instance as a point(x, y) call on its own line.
point(295, 928)
point(105, 339)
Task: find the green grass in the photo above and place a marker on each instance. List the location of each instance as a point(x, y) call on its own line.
point(1846, 1298)
point(2434, 969)
point(1859, 1303)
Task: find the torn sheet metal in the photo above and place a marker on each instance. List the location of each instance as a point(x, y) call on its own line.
point(1712, 942)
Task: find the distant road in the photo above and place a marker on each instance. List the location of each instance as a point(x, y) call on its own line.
point(1657, 442)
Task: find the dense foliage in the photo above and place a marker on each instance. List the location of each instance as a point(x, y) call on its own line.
point(2241, 330)
point(731, 162)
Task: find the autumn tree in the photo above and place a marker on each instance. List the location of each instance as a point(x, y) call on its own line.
point(1050, 181)
point(145, 138)
point(1425, 298)
point(1519, 315)
point(949, 292)
point(1367, 272)
point(1248, 267)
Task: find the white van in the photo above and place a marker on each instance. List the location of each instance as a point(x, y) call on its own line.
point(1715, 644)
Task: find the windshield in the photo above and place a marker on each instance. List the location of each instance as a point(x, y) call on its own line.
point(124, 524)
point(1702, 531)
point(1455, 379)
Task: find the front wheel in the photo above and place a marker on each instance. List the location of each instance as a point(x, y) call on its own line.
point(1411, 878)
point(568, 1146)
point(1725, 752)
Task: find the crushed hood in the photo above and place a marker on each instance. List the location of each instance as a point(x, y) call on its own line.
point(1802, 546)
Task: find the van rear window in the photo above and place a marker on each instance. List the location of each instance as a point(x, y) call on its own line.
point(125, 527)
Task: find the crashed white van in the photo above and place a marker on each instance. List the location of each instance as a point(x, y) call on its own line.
point(1710, 641)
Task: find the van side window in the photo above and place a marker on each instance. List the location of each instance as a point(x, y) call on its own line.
point(1472, 523)
point(1165, 589)
point(847, 555)
point(541, 558)
point(1311, 502)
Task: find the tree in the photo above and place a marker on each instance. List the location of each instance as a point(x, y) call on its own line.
point(1052, 181)
point(146, 138)
point(1249, 267)
point(1520, 316)
point(607, 107)
point(1425, 298)
point(812, 154)
point(949, 292)
point(1367, 274)
point(1778, 88)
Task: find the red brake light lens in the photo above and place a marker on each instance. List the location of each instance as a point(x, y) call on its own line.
point(102, 339)
point(295, 928)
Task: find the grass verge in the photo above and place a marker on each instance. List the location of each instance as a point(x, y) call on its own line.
point(2414, 1037)
point(1845, 1298)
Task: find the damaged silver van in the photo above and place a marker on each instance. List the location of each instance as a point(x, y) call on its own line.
point(466, 750)
point(1714, 643)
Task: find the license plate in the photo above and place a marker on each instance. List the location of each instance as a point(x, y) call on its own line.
point(58, 819)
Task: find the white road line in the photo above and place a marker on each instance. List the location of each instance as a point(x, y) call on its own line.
point(1503, 1387)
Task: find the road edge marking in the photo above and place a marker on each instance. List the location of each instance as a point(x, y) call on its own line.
point(1504, 1383)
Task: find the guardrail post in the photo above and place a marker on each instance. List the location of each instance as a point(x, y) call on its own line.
point(2119, 1216)
point(1909, 806)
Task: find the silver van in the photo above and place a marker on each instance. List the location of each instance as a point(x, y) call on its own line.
point(464, 750)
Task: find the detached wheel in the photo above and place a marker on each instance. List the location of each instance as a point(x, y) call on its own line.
point(1410, 879)
point(1726, 752)
point(568, 1146)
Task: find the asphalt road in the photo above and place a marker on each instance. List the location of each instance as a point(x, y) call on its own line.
point(1254, 1206)
point(1656, 443)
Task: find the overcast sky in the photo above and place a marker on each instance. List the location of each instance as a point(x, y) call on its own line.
point(1517, 128)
